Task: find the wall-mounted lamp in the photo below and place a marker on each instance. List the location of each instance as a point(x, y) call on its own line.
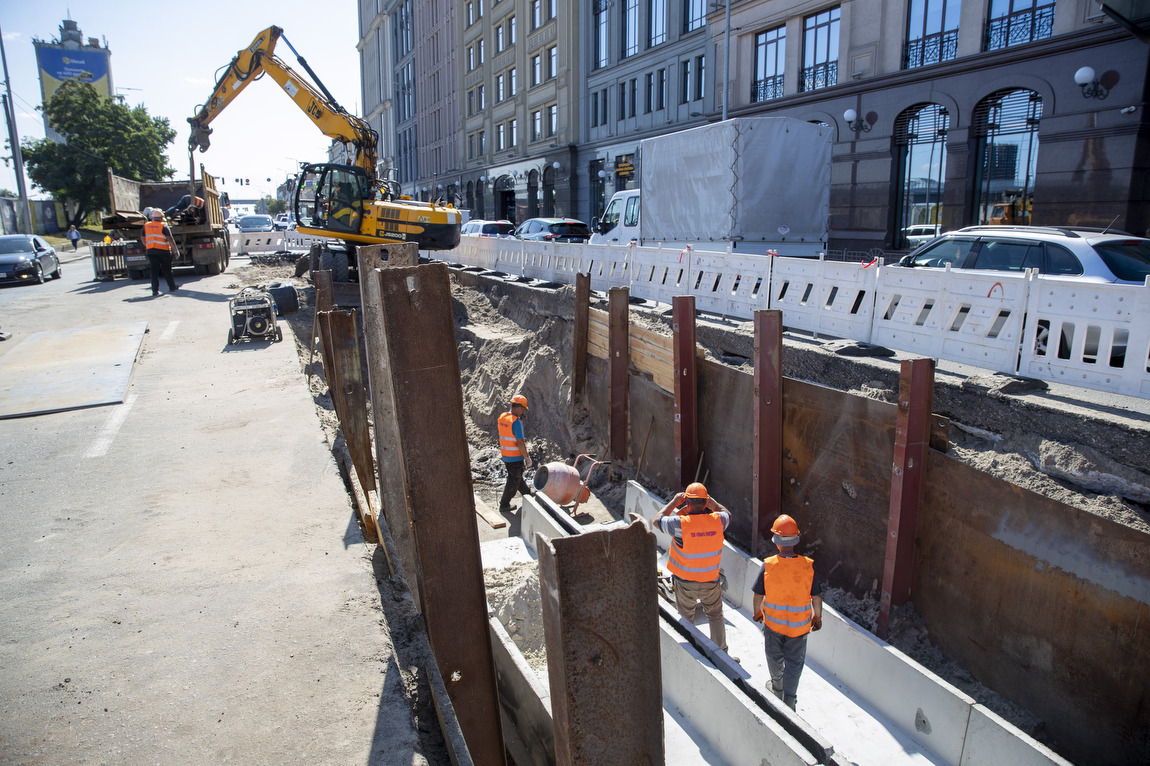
point(514, 173)
point(854, 122)
point(602, 173)
point(1091, 87)
point(440, 187)
point(556, 165)
point(482, 179)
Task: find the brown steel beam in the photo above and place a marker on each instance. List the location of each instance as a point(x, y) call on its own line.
point(767, 470)
point(388, 462)
point(686, 390)
point(324, 301)
point(908, 484)
point(423, 357)
point(618, 346)
point(348, 374)
point(601, 627)
point(582, 324)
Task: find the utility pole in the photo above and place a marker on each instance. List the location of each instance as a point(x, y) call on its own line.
point(726, 55)
point(14, 139)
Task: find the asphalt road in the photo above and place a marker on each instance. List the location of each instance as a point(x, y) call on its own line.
point(199, 591)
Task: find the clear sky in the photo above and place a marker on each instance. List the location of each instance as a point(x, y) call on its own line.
point(166, 55)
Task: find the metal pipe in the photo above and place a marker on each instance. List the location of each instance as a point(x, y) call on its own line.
point(726, 55)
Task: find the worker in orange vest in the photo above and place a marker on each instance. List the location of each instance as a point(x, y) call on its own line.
point(160, 246)
point(697, 522)
point(513, 448)
point(789, 603)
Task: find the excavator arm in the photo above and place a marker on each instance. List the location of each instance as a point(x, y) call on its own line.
point(259, 57)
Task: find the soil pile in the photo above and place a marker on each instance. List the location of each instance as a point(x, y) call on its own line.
point(513, 593)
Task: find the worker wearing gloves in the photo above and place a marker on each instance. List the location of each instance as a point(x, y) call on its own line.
point(788, 603)
point(697, 523)
point(159, 246)
point(514, 450)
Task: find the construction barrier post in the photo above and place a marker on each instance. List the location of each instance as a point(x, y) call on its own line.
point(767, 467)
point(686, 390)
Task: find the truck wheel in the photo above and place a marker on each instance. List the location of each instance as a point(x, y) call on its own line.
point(336, 261)
point(135, 274)
point(200, 269)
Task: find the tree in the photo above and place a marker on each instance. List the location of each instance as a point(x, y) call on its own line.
point(275, 206)
point(100, 134)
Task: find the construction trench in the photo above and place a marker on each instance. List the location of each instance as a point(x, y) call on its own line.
point(1014, 602)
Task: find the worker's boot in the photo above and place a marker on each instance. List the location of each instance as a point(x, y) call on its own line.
point(777, 690)
point(790, 701)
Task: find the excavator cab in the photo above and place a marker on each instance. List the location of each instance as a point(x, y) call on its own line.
point(332, 197)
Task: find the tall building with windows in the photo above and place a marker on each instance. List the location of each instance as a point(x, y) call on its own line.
point(945, 108)
point(519, 107)
point(376, 84)
point(644, 63)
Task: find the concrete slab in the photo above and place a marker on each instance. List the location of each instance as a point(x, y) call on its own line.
point(59, 370)
point(992, 740)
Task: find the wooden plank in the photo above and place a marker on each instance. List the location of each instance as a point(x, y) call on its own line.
point(652, 337)
point(599, 316)
point(491, 517)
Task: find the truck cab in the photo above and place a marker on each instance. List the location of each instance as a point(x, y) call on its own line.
point(620, 222)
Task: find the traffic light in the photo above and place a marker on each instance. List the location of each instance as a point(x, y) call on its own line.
point(247, 182)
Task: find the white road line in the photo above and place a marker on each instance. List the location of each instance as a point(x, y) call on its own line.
point(171, 329)
point(111, 428)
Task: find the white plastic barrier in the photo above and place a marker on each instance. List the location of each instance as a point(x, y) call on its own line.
point(730, 284)
point(1091, 335)
point(249, 242)
point(962, 316)
point(828, 297)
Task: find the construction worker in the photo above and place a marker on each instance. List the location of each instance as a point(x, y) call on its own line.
point(696, 522)
point(513, 447)
point(159, 245)
point(789, 603)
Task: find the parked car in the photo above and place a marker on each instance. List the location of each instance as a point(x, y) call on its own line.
point(1089, 255)
point(921, 234)
point(479, 228)
point(257, 223)
point(281, 222)
point(27, 258)
point(554, 230)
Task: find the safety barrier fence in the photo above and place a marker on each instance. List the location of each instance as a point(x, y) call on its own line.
point(1091, 335)
point(246, 242)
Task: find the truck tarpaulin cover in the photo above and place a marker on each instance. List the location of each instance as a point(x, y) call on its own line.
point(744, 178)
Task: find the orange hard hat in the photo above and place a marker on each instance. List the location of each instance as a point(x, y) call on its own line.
point(521, 400)
point(696, 491)
point(786, 526)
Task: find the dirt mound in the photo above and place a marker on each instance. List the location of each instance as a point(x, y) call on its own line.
point(513, 593)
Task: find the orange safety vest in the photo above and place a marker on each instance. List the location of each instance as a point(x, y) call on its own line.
point(508, 444)
point(702, 550)
point(154, 238)
point(787, 603)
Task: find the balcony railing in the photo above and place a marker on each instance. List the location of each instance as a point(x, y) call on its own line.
point(1018, 28)
point(930, 50)
point(766, 89)
point(820, 76)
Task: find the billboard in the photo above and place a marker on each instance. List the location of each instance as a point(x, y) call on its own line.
point(60, 64)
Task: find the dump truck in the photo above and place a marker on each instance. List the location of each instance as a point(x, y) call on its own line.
point(192, 210)
point(754, 184)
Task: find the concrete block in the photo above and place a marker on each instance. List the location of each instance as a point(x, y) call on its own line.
point(503, 552)
point(920, 703)
point(536, 520)
point(525, 699)
point(991, 740)
point(741, 734)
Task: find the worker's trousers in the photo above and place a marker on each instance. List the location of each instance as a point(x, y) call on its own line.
point(515, 483)
point(785, 659)
point(689, 595)
point(161, 263)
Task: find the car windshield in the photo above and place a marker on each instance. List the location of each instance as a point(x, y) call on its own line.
point(565, 229)
point(1129, 259)
point(15, 245)
point(951, 251)
point(252, 221)
point(498, 228)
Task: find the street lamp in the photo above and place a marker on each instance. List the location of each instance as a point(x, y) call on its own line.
point(854, 122)
point(1091, 87)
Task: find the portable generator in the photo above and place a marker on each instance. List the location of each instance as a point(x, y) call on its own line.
point(253, 316)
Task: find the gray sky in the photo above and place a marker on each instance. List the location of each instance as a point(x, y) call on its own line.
point(171, 56)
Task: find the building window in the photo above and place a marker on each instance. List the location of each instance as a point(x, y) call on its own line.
point(552, 6)
point(533, 194)
point(500, 137)
point(482, 142)
point(1014, 22)
point(552, 62)
point(770, 54)
point(479, 96)
point(513, 132)
point(684, 81)
point(536, 126)
point(480, 195)
point(601, 34)
point(634, 96)
point(820, 50)
point(630, 27)
point(536, 13)
point(499, 39)
point(478, 9)
point(480, 51)
point(649, 80)
point(661, 89)
point(471, 147)
point(694, 14)
point(932, 32)
point(603, 106)
point(595, 109)
point(622, 100)
point(512, 82)
point(700, 76)
point(511, 31)
point(656, 22)
point(499, 89)
point(470, 103)
point(552, 120)
point(470, 14)
point(920, 143)
point(470, 59)
point(1005, 125)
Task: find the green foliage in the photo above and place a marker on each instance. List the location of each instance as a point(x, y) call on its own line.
point(275, 206)
point(7, 193)
point(101, 133)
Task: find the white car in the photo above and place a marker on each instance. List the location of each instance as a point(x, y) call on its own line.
point(921, 234)
point(478, 228)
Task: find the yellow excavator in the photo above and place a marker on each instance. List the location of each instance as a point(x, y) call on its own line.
point(347, 202)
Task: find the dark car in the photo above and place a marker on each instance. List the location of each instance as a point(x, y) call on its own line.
point(27, 258)
point(257, 223)
point(554, 230)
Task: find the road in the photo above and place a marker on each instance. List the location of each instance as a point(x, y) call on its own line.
point(198, 592)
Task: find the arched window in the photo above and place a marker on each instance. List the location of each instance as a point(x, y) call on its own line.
point(920, 144)
point(470, 195)
point(533, 194)
point(1005, 126)
point(480, 190)
point(548, 192)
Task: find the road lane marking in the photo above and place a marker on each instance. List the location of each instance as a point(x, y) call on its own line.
point(170, 330)
point(111, 428)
